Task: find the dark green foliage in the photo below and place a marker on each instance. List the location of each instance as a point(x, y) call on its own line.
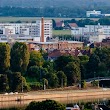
point(46, 105)
point(19, 57)
point(49, 65)
point(14, 108)
point(62, 78)
point(95, 83)
point(72, 71)
point(52, 80)
point(35, 86)
point(19, 82)
point(93, 65)
point(4, 57)
point(34, 71)
point(4, 85)
point(54, 23)
point(62, 61)
point(37, 72)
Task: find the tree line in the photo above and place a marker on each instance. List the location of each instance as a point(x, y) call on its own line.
point(64, 11)
point(82, 22)
point(24, 70)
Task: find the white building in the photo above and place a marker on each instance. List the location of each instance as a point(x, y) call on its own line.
point(94, 13)
point(89, 29)
point(79, 31)
point(97, 37)
point(46, 28)
point(28, 29)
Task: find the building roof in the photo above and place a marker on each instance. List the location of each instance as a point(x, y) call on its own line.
point(59, 24)
point(75, 42)
point(73, 25)
point(46, 43)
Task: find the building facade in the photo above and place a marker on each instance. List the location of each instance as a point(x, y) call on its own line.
point(93, 13)
point(91, 30)
point(60, 45)
point(28, 29)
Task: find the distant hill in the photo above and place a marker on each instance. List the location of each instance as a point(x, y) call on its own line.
point(54, 3)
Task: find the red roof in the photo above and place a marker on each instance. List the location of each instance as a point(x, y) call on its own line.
point(58, 53)
point(73, 25)
point(59, 24)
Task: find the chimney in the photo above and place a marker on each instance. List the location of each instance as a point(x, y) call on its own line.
point(42, 30)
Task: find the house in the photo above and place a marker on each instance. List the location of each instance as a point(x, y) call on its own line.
point(71, 25)
point(57, 53)
point(59, 24)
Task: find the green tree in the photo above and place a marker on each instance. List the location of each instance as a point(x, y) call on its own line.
point(36, 59)
point(84, 58)
point(49, 65)
point(19, 57)
point(54, 23)
point(46, 105)
point(83, 84)
point(72, 72)
point(37, 72)
point(33, 71)
point(93, 65)
point(62, 61)
point(62, 78)
point(19, 82)
point(4, 85)
point(4, 57)
point(52, 80)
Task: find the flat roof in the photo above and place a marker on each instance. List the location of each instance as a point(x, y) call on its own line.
point(35, 42)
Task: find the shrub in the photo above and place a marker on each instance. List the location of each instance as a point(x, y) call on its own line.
point(46, 105)
point(95, 83)
point(83, 84)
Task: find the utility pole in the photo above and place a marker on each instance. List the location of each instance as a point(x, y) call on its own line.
point(62, 82)
point(22, 85)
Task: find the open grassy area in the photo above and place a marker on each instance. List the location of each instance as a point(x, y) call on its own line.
point(25, 19)
point(30, 19)
point(61, 32)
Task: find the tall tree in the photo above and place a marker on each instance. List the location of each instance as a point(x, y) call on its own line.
point(19, 57)
point(52, 80)
point(62, 78)
point(72, 71)
point(62, 61)
point(36, 59)
point(93, 65)
point(4, 57)
point(18, 82)
point(54, 23)
point(4, 86)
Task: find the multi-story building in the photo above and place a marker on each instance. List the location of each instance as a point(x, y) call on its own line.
point(44, 27)
point(93, 13)
point(88, 29)
point(28, 29)
point(97, 37)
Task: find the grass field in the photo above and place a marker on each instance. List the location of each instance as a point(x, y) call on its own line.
point(61, 32)
point(30, 19)
point(24, 19)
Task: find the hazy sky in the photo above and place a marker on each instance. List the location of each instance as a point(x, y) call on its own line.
point(36, 3)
